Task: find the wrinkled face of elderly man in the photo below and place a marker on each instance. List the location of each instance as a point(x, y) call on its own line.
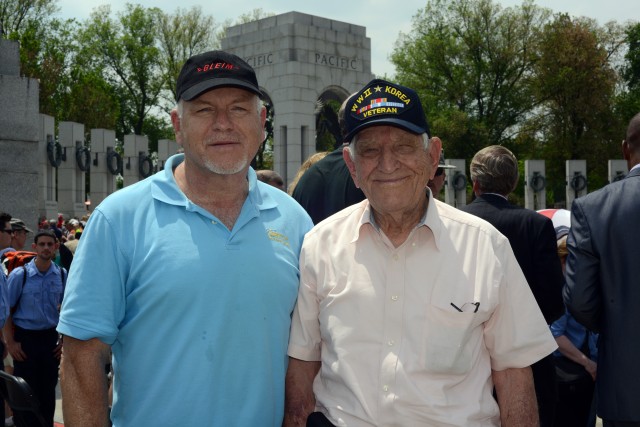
point(390, 156)
point(392, 167)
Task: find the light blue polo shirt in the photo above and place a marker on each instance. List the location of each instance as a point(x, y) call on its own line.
point(40, 297)
point(197, 316)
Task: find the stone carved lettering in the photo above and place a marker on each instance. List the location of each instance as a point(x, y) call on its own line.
point(258, 61)
point(336, 61)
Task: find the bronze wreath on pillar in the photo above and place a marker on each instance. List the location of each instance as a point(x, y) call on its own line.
point(83, 158)
point(55, 153)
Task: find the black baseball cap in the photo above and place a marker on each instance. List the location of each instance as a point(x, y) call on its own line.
point(384, 103)
point(214, 69)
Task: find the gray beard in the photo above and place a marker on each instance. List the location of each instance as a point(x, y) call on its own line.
point(230, 169)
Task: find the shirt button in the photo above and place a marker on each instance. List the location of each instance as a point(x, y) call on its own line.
point(385, 388)
point(394, 298)
point(213, 222)
point(395, 257)
point(390, 343)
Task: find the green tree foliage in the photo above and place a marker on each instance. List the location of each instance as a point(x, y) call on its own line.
point(124, 49)
point(181, 35)
point(16, 15)
point(628, 103)
point(328, 134)
point(543, 85)
point(68, 90)
point(575, 83)
point(471, 62)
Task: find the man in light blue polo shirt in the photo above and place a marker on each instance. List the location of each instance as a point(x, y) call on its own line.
point(190, 276)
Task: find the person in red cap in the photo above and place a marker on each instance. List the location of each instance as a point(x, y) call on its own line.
point(188, 277)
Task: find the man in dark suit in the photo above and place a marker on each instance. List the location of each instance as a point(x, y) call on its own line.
point(603, 284)
point(494, 174)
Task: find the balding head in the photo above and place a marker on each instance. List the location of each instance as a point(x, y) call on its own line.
point(633, 131)
point(631, 144)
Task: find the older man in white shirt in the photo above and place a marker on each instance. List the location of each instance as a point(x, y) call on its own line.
point(409, 311)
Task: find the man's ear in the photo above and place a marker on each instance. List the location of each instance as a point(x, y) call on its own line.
point(435, 147)
point(177, 125)
point(476, 188)
point(626, 153)
point(351, 165)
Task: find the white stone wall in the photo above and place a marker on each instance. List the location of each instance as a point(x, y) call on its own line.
point(19, 132)
point(297, 58)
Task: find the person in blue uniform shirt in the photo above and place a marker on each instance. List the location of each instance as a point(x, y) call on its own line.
point(35, 293)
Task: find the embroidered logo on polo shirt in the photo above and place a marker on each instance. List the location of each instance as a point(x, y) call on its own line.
point(277, 237)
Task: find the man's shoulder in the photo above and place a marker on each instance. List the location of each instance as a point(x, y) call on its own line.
point(344, 220)
point(128, 199)
point(285, 203)
point(504, 209)
point(616, 189)
point(458, 219)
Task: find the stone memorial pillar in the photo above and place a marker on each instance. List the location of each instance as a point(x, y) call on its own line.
point(103, 182)
point(71, 173)
point(618, 169)
point(455, 185)
point(576, 183)
point(129, 161)
point(137, 163)
point(49, 158)
point(19, 135)
point(535, 184)
point(166, 149)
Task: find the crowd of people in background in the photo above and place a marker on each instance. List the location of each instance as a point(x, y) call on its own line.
point(32, 283)
point(354, 297)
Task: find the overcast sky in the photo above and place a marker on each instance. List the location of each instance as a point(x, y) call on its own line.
point(384, 19)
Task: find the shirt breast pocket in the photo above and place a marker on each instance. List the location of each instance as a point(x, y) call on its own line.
point(450, 338)
point(54, 294)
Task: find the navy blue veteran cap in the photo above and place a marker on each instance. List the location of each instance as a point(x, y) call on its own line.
point(385, 103)
point(214, 69)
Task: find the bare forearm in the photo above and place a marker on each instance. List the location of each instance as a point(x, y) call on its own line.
point(84, 383)
point(570, 351)
point(516, 397)
point(299, 398)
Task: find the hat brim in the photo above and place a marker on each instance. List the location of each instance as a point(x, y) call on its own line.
point(210, 84)
point(402, 124)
